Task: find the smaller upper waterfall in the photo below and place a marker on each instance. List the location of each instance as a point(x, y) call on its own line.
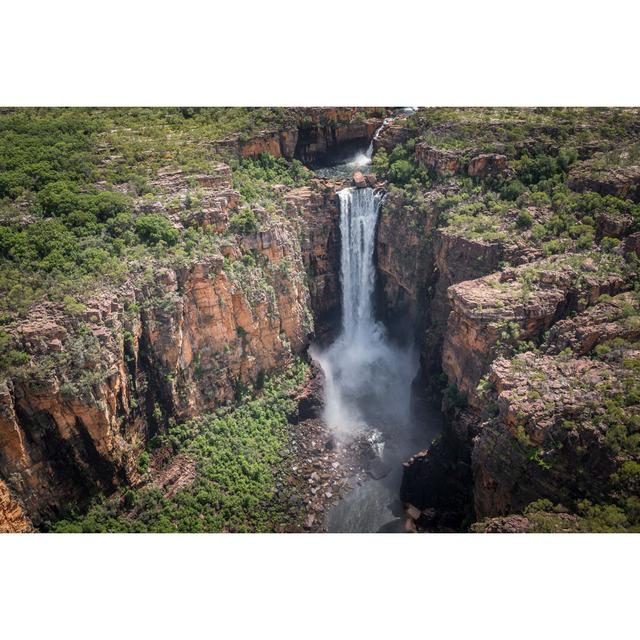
point(369, 152)
point(360, 161)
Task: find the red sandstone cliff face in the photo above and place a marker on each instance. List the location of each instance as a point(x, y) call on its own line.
point(66, 420)
point(598, 175)
point(418, 262)
point(318, 211)
point(180, 340)
point(315, 141)
point(536, 425)
point(445, 162)
point(404, 255)
point(527, 299)
point(12, 516)
point(547, 434)
point(308, 136)
point(210, 331)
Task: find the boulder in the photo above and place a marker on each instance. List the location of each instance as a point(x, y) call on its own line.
point(488, 164)
point(359, 180)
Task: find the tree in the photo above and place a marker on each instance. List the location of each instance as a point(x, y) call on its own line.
point(154, 228)
point(524, 220)
point(401, 171)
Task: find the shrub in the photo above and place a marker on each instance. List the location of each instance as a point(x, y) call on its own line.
point(401, 171)
point(453, 399)
point(107, 204)
point(153, 228)
point(380, 162)
point(512, 190)
point(609, 244)
point(244, 222)
point(143, 462)
point(58, 198)
point(627, 478)
point(524, 220)
point(8, 355)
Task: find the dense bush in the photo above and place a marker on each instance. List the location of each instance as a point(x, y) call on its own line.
point(244, 222)
point(154, 228)
point(524, 220)
point(400, 172)
point(240, 476)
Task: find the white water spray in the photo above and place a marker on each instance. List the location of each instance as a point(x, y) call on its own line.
point(364, 159)
point(368, 379)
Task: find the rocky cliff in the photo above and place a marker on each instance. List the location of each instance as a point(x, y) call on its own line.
point(519, 303)
point(318, 211)
point(309, 135)
point(12, 516)
point(177, 339)
point(537, 355)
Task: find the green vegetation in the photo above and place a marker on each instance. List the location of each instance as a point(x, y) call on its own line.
point(241, 472)
point(401, 169)
point(546, 517)
point(524, 220)
point(154, 229)
point(244, 222)
point(482, 129)
point(254, 178)
point(68, 183)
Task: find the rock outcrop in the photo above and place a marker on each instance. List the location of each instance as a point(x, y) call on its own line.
point(610, 319)
point(12, 516)
point(442, 162)
point(488, 164)
point(447, 162)
point(619, 181)
point(548, 440)
point(393, 134)
point(280, 144)
point(526, 300)
point(172, 342)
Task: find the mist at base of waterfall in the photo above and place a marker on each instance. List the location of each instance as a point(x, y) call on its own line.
point(367, 383)
point(359, 161)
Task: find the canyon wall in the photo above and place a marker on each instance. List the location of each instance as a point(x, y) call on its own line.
point(172, 342)
point(418, 262)
point(318, 210)
point(529, 426)
point(514, 335)
point(310, 135)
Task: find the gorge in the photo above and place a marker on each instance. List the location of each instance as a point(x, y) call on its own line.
point(246, 343)
point(367, 378)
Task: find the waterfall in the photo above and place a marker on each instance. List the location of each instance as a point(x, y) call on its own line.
point(368, 378)
point(358, 218)
point(364, 159)
point(369, 152)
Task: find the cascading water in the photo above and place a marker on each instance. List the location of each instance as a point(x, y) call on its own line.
point(369, 152)
point(359, 162)
point(358, 218)
point(363, 159)
point(367, 377)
